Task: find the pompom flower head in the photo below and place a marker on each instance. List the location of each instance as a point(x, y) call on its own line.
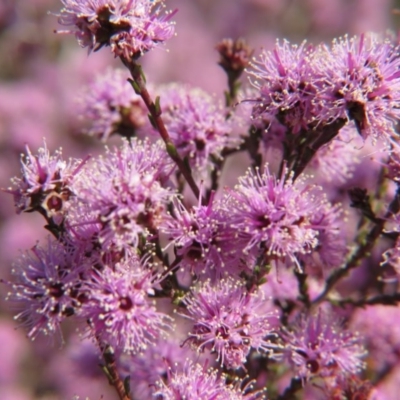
point(129, 27)
point(124, 192)
point(277, 216)
point(111, 106)
point(46, 287)
point(319, 345)
point(196, 123)
point(202, 240)
point(288, 82)
point(196, 382)
point(363, 83)
point(119, 309)
point(230, 321)
point(45, 183)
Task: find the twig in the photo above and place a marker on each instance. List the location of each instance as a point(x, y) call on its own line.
point(362, 251)
point(139, 85)
point(110, 369)
point(385, 299)
point(303, 288)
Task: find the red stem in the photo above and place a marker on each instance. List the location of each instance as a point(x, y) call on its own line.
point(155, 113)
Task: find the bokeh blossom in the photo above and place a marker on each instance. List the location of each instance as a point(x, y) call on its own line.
point(46, 287)
point(110, 106)
point(229, 321)
point(380, 334)
point(197, 125)
point(319, 345)
point(129, 27)
point(336, 161)
point(393, 164)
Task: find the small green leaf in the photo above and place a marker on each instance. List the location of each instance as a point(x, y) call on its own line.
point(171, 150)
point(135, 86)
point(157, 106)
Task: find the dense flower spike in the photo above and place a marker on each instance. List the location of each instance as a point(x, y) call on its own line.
point(111, 106)
point(129, 27)
point(119, 310)
point(196, 123)
point(46, 182)
point(125, 192)
point(47, 287)
point(276, 216)
point(319, 345)
point(196, 382)
point(229, 320)
point(363, 83)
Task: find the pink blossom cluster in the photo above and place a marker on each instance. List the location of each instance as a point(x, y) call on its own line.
point(234, 246)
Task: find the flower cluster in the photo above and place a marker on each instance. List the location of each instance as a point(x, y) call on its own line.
point(203, 240)
point(129, 27)
point(196, 382)
point(47, 287)
point(307, 87)
point(229, 321)
point(125, 193)
point(197, 125)
point(364, 83)
point(282, 218)
point(318, 345)
point(46, 182)
point(110, 106)
point(288, 84)
point(118, 308)
point(189, 277)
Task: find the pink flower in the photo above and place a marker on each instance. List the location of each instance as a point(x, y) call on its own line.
point(125, 193)
point(229, 321)
point(45, 183)
point(119, 310)
point(46, 287)
point(319, 345)
point(129, 27)
point(196, 382)
point(282, 218)
point(110, 106)
point(363, 83)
